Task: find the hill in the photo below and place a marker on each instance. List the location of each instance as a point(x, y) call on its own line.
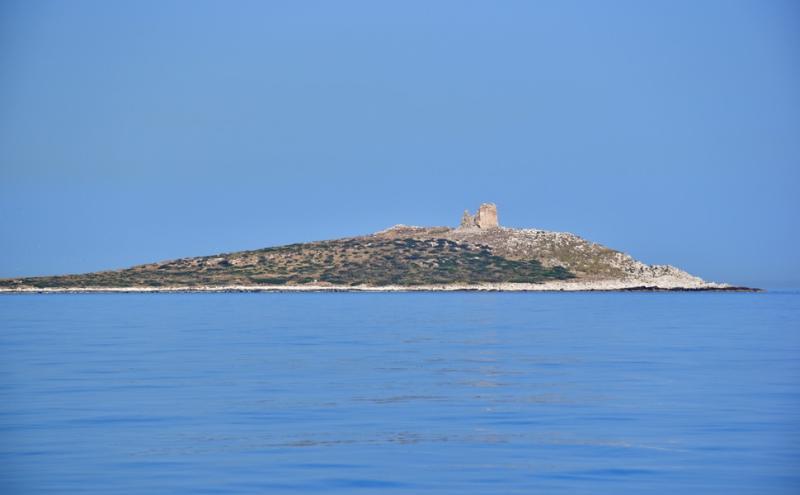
point(479, 254)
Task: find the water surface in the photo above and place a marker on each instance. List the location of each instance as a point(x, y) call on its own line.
point(431, 393)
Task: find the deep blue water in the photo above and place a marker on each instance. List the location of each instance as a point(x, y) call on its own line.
point(462, 393)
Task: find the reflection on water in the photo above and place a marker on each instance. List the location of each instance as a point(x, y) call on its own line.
point(412, 393)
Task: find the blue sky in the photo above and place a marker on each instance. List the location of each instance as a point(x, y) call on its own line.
point(138, 131)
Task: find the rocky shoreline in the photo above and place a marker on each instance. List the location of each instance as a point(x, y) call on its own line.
point(583, 286)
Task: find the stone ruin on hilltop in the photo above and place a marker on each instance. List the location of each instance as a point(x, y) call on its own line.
point(485, 218)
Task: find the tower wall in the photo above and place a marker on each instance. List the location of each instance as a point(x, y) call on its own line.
point(486, 217)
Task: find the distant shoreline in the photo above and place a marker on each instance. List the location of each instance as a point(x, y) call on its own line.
point(600, 286)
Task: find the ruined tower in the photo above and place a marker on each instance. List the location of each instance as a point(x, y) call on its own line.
point(486, 218)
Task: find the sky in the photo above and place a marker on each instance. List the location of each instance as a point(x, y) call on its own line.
point(133, 132)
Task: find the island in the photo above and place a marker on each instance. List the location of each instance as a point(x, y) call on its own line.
point(478, 255)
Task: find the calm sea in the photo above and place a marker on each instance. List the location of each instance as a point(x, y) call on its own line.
point(462, 393)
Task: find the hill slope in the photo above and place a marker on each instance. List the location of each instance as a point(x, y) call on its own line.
point(367, 260)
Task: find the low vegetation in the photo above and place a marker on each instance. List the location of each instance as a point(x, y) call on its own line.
point(370, 260)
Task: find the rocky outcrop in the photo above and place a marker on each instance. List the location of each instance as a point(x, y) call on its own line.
point(596, 267)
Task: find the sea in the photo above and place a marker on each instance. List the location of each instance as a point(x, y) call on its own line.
point(412, 393)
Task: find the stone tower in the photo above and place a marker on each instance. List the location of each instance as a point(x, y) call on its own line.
point(486, 218)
